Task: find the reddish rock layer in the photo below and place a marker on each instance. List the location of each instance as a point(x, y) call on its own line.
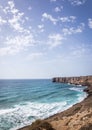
point(74, 80)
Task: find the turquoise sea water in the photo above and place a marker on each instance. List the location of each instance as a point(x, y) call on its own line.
point(23, 101)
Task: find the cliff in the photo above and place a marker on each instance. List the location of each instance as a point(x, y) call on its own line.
point(82, 80)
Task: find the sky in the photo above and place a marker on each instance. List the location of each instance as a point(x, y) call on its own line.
point(45, 38)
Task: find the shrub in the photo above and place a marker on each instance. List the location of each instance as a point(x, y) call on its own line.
point(87, 127)
point(40, 125)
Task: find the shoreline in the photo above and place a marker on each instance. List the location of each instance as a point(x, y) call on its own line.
point(78, 117)
point(85, 90)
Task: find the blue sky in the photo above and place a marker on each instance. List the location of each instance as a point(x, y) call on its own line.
point(45, 38)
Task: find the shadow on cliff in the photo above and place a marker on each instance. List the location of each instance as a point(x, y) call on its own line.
point(87, 127)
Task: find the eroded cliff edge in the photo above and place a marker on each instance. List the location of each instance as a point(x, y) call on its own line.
point(81, 80)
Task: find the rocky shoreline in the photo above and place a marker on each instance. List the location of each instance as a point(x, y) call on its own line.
point(78, 117)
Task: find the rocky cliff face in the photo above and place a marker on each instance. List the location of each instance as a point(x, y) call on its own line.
point(83, 80)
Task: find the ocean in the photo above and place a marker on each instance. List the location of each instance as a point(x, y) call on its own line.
point(24, 101)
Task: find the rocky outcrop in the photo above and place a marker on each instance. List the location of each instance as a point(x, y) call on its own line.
point(82, 80)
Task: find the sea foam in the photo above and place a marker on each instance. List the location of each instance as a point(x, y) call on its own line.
point(24, 114)
point(76, 89)
point(28, 100)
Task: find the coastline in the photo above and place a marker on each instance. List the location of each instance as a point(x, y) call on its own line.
point(78, 117)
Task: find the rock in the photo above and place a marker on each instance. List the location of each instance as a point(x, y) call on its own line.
point(82, 80)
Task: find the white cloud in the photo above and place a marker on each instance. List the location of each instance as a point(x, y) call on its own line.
point(55, 40)
point(79, 51)
point(13, 17)
point(41, 27)
point(61, 7)
point(19, 37)
point(77, 2)
point(2, 21)
point(15, 22)
point(53, 0)
point(90, 23)
point(17, 43)
point(4, 51)
point(27, 18)
point(11, 3)
point(34, 56)
point(29, 8)
point(17, 17)
point(73, 30)
point(68, 19)
point(10, 8)
point(20, 41)
point(46, 16)
point(58, 9)
point(49, 17)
